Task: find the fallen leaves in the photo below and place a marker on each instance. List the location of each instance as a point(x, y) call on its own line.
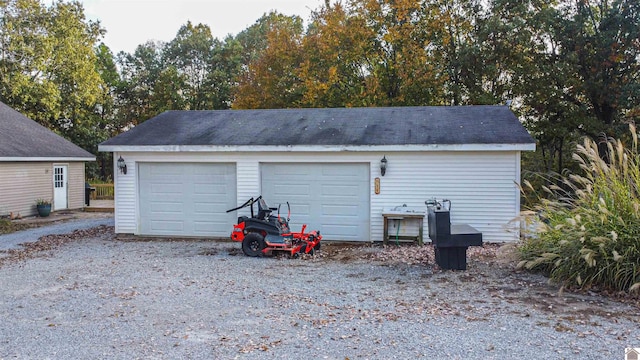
point(423, 255)
point(46, 243)
point(409, 255)
point(251, 346)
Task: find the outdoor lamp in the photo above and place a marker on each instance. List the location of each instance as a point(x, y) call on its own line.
point(122, 166)
point(383, 165)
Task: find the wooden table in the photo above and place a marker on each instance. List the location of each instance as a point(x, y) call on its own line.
point(399, 215)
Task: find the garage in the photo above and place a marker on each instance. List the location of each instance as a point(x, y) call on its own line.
point(189, 199)
point(330, 197)
point(339, 168)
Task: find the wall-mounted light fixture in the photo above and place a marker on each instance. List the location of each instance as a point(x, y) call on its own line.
point(122, 166)
point(383, 165)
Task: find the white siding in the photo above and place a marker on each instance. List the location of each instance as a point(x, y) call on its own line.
point(248, 177)
point(481, 185)
point(125, 199)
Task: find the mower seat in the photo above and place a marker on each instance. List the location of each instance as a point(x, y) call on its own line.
point(263, 210)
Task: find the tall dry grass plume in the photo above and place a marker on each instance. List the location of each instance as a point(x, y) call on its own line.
point(589, 233)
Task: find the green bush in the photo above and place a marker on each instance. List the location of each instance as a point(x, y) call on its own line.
point(99, 181)
point(590, 233)
point(5, 226)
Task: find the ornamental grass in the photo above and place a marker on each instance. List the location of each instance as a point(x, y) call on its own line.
point(589, 229)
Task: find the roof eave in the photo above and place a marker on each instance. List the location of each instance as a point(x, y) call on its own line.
point(316, 148)
point(45, 159)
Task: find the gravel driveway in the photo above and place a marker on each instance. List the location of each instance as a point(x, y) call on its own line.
point(90, 220)
point(93, 295)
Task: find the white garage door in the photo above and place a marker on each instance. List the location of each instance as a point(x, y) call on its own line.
point(332, 198)
point(187, 199)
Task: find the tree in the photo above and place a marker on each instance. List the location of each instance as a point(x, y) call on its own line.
point(106, 119)
point(26, 47)
point(140, 72)
point(190, 56)
point(337, 53)
point(598, 42)
point(223, 78)
point(48, 66)
point(467, 48)
point(270, 79)
point(581, 75)
point(193, 71)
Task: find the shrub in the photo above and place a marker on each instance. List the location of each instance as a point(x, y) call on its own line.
point(590, 233)
point(99, 181)
point(5, 226)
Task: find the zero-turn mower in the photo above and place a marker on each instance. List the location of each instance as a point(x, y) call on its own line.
point(263, 233)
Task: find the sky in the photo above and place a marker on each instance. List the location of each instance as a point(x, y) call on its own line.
point(130, 23)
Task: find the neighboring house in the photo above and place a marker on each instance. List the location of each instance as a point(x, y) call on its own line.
point(36, 163)
point(185, 168)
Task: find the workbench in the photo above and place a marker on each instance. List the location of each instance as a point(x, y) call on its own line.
point(402, 216)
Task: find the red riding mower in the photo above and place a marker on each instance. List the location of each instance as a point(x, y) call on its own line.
point(262, 234)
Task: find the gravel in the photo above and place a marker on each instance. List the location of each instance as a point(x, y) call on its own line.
point(13, 240)
point(93, 295)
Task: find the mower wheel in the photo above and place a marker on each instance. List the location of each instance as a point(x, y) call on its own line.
point(303, 250)
point(317, 247)
point(253, 244)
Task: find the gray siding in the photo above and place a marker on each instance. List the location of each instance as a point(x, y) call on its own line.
point(21, 183)
point(76, 185)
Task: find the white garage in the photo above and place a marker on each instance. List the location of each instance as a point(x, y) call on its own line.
point(330, 197)
point(186, 198)
point(186, 168)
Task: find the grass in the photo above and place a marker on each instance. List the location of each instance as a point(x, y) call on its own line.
point(590, 233)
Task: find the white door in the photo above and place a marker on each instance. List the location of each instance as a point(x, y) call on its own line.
point(186, 199)
point(60, 187)
point(332, 197)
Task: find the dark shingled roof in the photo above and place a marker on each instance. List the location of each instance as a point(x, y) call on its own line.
point(24, 138)
point(432, 125)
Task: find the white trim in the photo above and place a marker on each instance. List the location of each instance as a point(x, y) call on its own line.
point(136, 184)
point(518, 203)
point(46, 159)
point(518, 182)
point(315, 148)
point(61, 199)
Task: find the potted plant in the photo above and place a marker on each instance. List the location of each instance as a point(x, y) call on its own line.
point(44, 207)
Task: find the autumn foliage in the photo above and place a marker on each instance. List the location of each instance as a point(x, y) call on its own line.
point(570, 68)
